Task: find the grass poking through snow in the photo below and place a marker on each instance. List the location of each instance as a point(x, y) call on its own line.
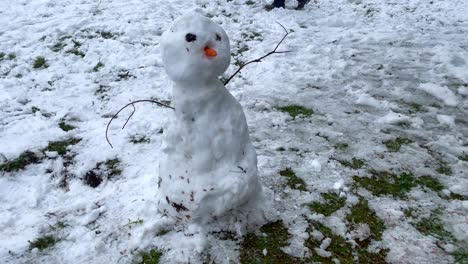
point(431, 183)
point(293, 181)
point(332, 203)
point(43, 242)
point(62, 146)
point(444, 168)
point(98, 66)
point(65, 127)
point(266, 247)
point(296, 110)
point(149, 257)
point(20, 163)
point(40, 63)
point(355, 163)
point(433, 226)
point(395, 145)
point(386, 183)
point(362, 214)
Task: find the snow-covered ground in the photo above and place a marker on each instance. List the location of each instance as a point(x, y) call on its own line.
point(387, 82)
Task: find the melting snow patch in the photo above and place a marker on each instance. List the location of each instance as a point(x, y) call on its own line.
point(316, 165)
point(338, 185)
point(323, 253)
point(446, 120)
point(393, 118)
point(365, 99)
point(442, 93)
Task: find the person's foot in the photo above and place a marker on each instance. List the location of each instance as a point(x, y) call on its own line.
point(301, 4)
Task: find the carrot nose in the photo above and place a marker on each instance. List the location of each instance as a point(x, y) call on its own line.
point(210, 52)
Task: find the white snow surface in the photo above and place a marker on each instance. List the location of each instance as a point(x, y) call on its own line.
point(353, 63)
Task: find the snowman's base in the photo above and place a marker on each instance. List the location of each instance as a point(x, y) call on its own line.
point(207, 197)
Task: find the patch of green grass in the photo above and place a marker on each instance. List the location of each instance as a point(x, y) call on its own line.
point(354, 164)
point(433, 226)
point(296, 110)
point(341, 249)
point(395, 145)
point(113, 167)
point(373, 258)
point(76, 52)
point(332, 203)
point(2, 55)
point(61, 225)
point(35, 109)
point(135, 222)
point(43, 242)
point(342, 146)
point(98, 66)
point(61, 146)
point(124, 75)
point(101, 90)
point(251, 35)
point(456, 196)
point(461, 256)
point(249, 2)
point(40, 62)
point(415, 107)
point(65, 127)
point(149, 257)
point(11, 56)
point(362, 214)
point(444, 168)
point(386, 183)
point(106, 34)
point(430, 182)
point(20, 163)
point(404, 124)
point(294, 182)
point(225, 235)
point(76, 43)
point(162, 232)
point(464, 158)
point(58, 46)
point(275, 236)
point(139, 140)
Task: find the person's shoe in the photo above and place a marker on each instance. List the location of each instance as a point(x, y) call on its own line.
point(302, 4)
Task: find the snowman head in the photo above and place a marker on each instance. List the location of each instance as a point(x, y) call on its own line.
point(195, 49)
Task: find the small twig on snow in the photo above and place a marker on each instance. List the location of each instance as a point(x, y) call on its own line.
point(264, 56)
point(134, 109)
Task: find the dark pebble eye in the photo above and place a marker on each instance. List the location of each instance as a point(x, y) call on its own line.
point(190, 37)
point(218, 37)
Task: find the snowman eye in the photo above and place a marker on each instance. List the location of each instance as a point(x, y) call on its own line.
point(218, 37)
point(190, 37)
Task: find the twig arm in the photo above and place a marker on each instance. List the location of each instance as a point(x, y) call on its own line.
point(264, 56)
point(134, 109)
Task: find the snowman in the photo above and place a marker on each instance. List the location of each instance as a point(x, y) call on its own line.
point(209, 165)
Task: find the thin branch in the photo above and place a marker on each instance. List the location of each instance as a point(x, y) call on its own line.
point(264, 56)
point(130, 116)
point(134, 109)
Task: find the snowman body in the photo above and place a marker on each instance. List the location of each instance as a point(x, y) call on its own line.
point(209, 165)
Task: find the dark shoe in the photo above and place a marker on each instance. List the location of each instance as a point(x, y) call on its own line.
point(302, 4)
